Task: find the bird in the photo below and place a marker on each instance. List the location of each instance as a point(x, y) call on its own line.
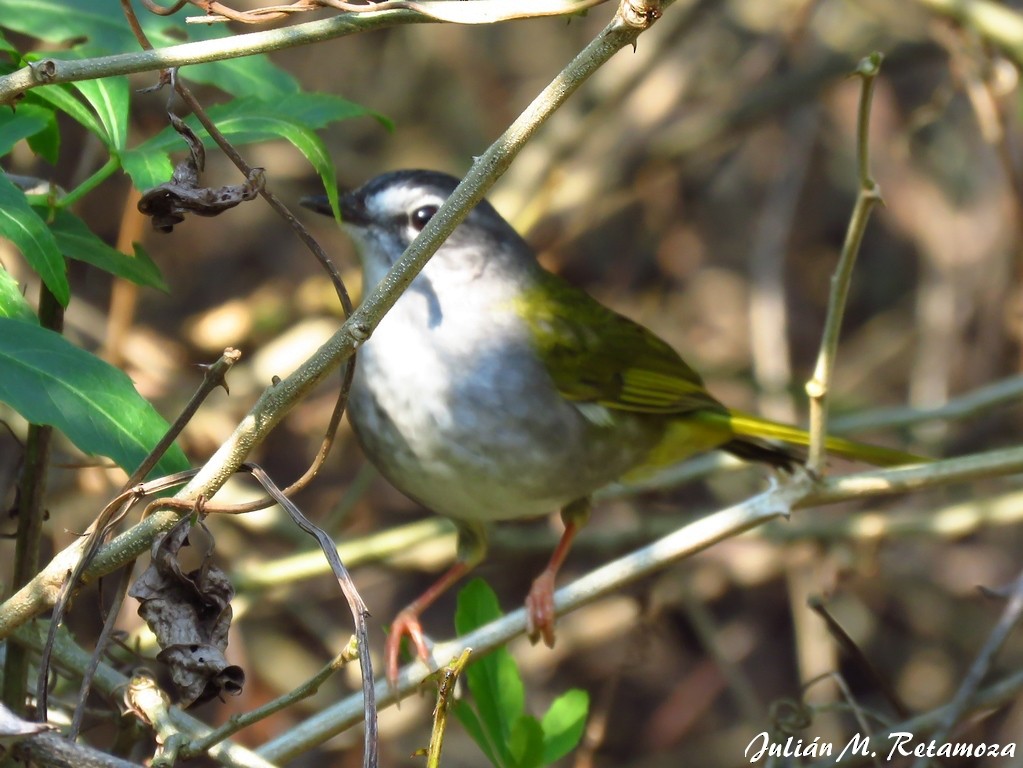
point(495, 390)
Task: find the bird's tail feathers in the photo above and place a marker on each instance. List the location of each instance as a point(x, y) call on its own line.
point(746, 425)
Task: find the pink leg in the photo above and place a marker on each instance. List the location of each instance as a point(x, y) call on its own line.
point(407, 621)
point(472, 546)
point(540, 616)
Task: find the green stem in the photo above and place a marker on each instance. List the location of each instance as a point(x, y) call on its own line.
point(111, 166)
point(869, 195)
point(31, 513)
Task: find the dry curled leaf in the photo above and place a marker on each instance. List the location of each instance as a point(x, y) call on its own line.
point(168, 203)
point(190, 614)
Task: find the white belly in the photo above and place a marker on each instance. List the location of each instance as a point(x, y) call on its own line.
point(479, 433)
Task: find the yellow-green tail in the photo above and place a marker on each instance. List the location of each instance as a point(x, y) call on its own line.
point(752, 438)
point(747, 425)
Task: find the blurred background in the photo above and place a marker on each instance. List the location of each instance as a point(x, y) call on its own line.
point(701, 185)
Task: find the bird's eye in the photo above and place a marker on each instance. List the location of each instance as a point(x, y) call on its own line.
point(420, 216)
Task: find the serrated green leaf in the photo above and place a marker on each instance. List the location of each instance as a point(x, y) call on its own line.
point(28, 120)
point(29, 233)
point(564, 723)
point(12, 302)
point(494, 679)
point(77, 241)
point(525, 742)
point(109, 97)
point(49, 380)
point(147, 168)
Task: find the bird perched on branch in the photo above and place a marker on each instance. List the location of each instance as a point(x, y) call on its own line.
point(494, 390)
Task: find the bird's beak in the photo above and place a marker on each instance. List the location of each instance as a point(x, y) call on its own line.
point(318, 203)
point(353, 208)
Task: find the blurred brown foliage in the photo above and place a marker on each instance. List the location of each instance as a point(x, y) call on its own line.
point(701, 185)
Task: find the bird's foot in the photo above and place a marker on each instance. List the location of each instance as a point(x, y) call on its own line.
point(405, 623)
point(540, 616)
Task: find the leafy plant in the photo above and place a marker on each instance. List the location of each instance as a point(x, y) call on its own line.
point(42, 375)
point(498, 722)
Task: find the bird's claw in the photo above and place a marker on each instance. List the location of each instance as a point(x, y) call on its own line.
point(540, 616)
point(405, 623)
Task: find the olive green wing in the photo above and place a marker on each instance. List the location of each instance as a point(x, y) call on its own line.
point(596, 355)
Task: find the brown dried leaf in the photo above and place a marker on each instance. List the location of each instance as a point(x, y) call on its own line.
point(190, 614)
point(168, 203)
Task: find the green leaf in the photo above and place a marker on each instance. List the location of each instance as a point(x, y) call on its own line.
point(244, 121)
point(7, 47)
point(27, 121)
point(77, 241)
point(109, 98)
point(49, 380)
point(146, 168)
point(252, 75)
point(564, 723)
point(473, 725)
point(12, 303)
point(100, 22)
point(494, 679)
point(46, 143)
point(61, 97)
point(525, 742)
point(29, 233)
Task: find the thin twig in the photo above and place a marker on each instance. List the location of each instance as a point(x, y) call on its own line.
point(979, 668)
point(445, 694)
point(105, 635)
point(1005, 691)
point(112, 683)
point(81, 557)
point(214, 377)
point(360, 614)
point(302, 691)
point(31, 511)
point(325, 263)
point(869, 195)
point(115, 511)
point(452, 11)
